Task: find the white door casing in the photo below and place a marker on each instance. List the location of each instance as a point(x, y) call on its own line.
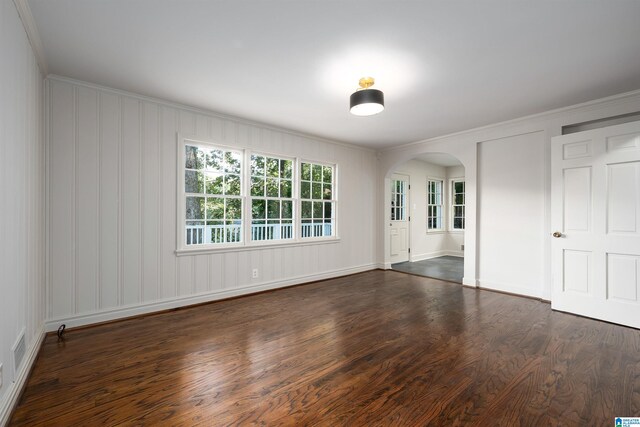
point(596, 214)
point(399, 219)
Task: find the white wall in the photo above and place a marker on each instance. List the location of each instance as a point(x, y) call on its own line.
point(454, 239)
point(425, 245)
point(22, 211)
point(511, 213)
point(510, 158)
point(113, 203)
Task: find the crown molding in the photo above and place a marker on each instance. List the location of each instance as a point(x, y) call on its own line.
point(550, 114)
point(24, 11)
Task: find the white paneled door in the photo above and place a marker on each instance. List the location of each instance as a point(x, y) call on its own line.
point(596, 223)
point(399, 220)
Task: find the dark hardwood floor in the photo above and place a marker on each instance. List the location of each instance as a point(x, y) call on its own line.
point(376, 348)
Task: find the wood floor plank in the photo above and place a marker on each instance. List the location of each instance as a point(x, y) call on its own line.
point(376, 348)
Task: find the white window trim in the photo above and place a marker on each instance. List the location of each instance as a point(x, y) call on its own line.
point(294, 189)
point(451, 183)
point(443, 228)
point(245, 196)
point(334, 200)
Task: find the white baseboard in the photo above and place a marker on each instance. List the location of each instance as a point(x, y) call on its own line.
point(471, 283)
point(436, 254)
point(15, 388)
point(137, 309)
point(517, 290)
point(459, 254)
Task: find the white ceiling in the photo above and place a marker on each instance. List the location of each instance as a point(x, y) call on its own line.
point(440, 159)
point(445, 66)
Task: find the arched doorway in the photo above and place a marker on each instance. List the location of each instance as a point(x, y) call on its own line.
point(461, 163)
point(427, 217)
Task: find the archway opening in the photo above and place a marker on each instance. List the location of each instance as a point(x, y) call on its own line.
point(425, 205)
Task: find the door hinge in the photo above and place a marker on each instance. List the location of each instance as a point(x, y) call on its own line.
point(409, 218)
point(409, 250)
point(409, 186)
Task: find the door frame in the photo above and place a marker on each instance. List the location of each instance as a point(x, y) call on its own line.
point(407, 212)
point(592, 145)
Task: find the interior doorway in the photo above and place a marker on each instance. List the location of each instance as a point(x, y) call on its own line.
point(399, 221)
point(595, 248)
point(427, 198)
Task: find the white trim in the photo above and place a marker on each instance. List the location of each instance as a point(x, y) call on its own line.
point(234, 119)
point(137, 309)
point(246, 243)
point(516, 290)
point(452, 204)
point(181, 142)
point(469, 283)
point(549, 115)
point(436, 254)
point(248, 206)
point(257, 246)
point(403, 177)
point(15, 389)
point(297, 184)
point(443, 204)
point(47, 202)
point(29, 24)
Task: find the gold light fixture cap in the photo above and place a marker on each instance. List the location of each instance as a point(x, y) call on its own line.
point(366, 82)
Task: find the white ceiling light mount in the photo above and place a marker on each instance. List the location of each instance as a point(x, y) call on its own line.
point(366, 101)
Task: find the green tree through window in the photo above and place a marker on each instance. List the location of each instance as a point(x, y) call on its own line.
point(271, 198)
point(317, 206)
point(213, 190)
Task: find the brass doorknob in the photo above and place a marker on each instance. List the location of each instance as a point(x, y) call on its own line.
point(557, 234)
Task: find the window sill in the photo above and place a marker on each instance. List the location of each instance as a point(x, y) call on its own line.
point(437, 231)
point(445, 231)
point(256, 246)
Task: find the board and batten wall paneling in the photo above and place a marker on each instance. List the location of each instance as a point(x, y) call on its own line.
point(23, 207)
point(113, 204)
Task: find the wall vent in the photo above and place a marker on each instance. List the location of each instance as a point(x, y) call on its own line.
point(19, 349)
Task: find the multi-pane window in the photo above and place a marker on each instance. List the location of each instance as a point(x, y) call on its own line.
point(434, 205)
point(271, 198)
point(457, 204)
point(317, 207)
point(213, 195)
point(236, 197)
point(398, 200)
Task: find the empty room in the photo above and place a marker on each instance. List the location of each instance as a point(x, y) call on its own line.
point(332, 213)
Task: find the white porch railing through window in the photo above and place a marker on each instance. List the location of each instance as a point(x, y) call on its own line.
point(207, 234)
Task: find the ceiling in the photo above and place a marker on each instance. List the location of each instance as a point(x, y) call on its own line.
point(445, 66)
point(440, 159)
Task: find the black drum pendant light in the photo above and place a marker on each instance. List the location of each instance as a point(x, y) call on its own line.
point(366, 101)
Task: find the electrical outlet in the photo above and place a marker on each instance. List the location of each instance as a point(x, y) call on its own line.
point(0, 375)
point(254, 273)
